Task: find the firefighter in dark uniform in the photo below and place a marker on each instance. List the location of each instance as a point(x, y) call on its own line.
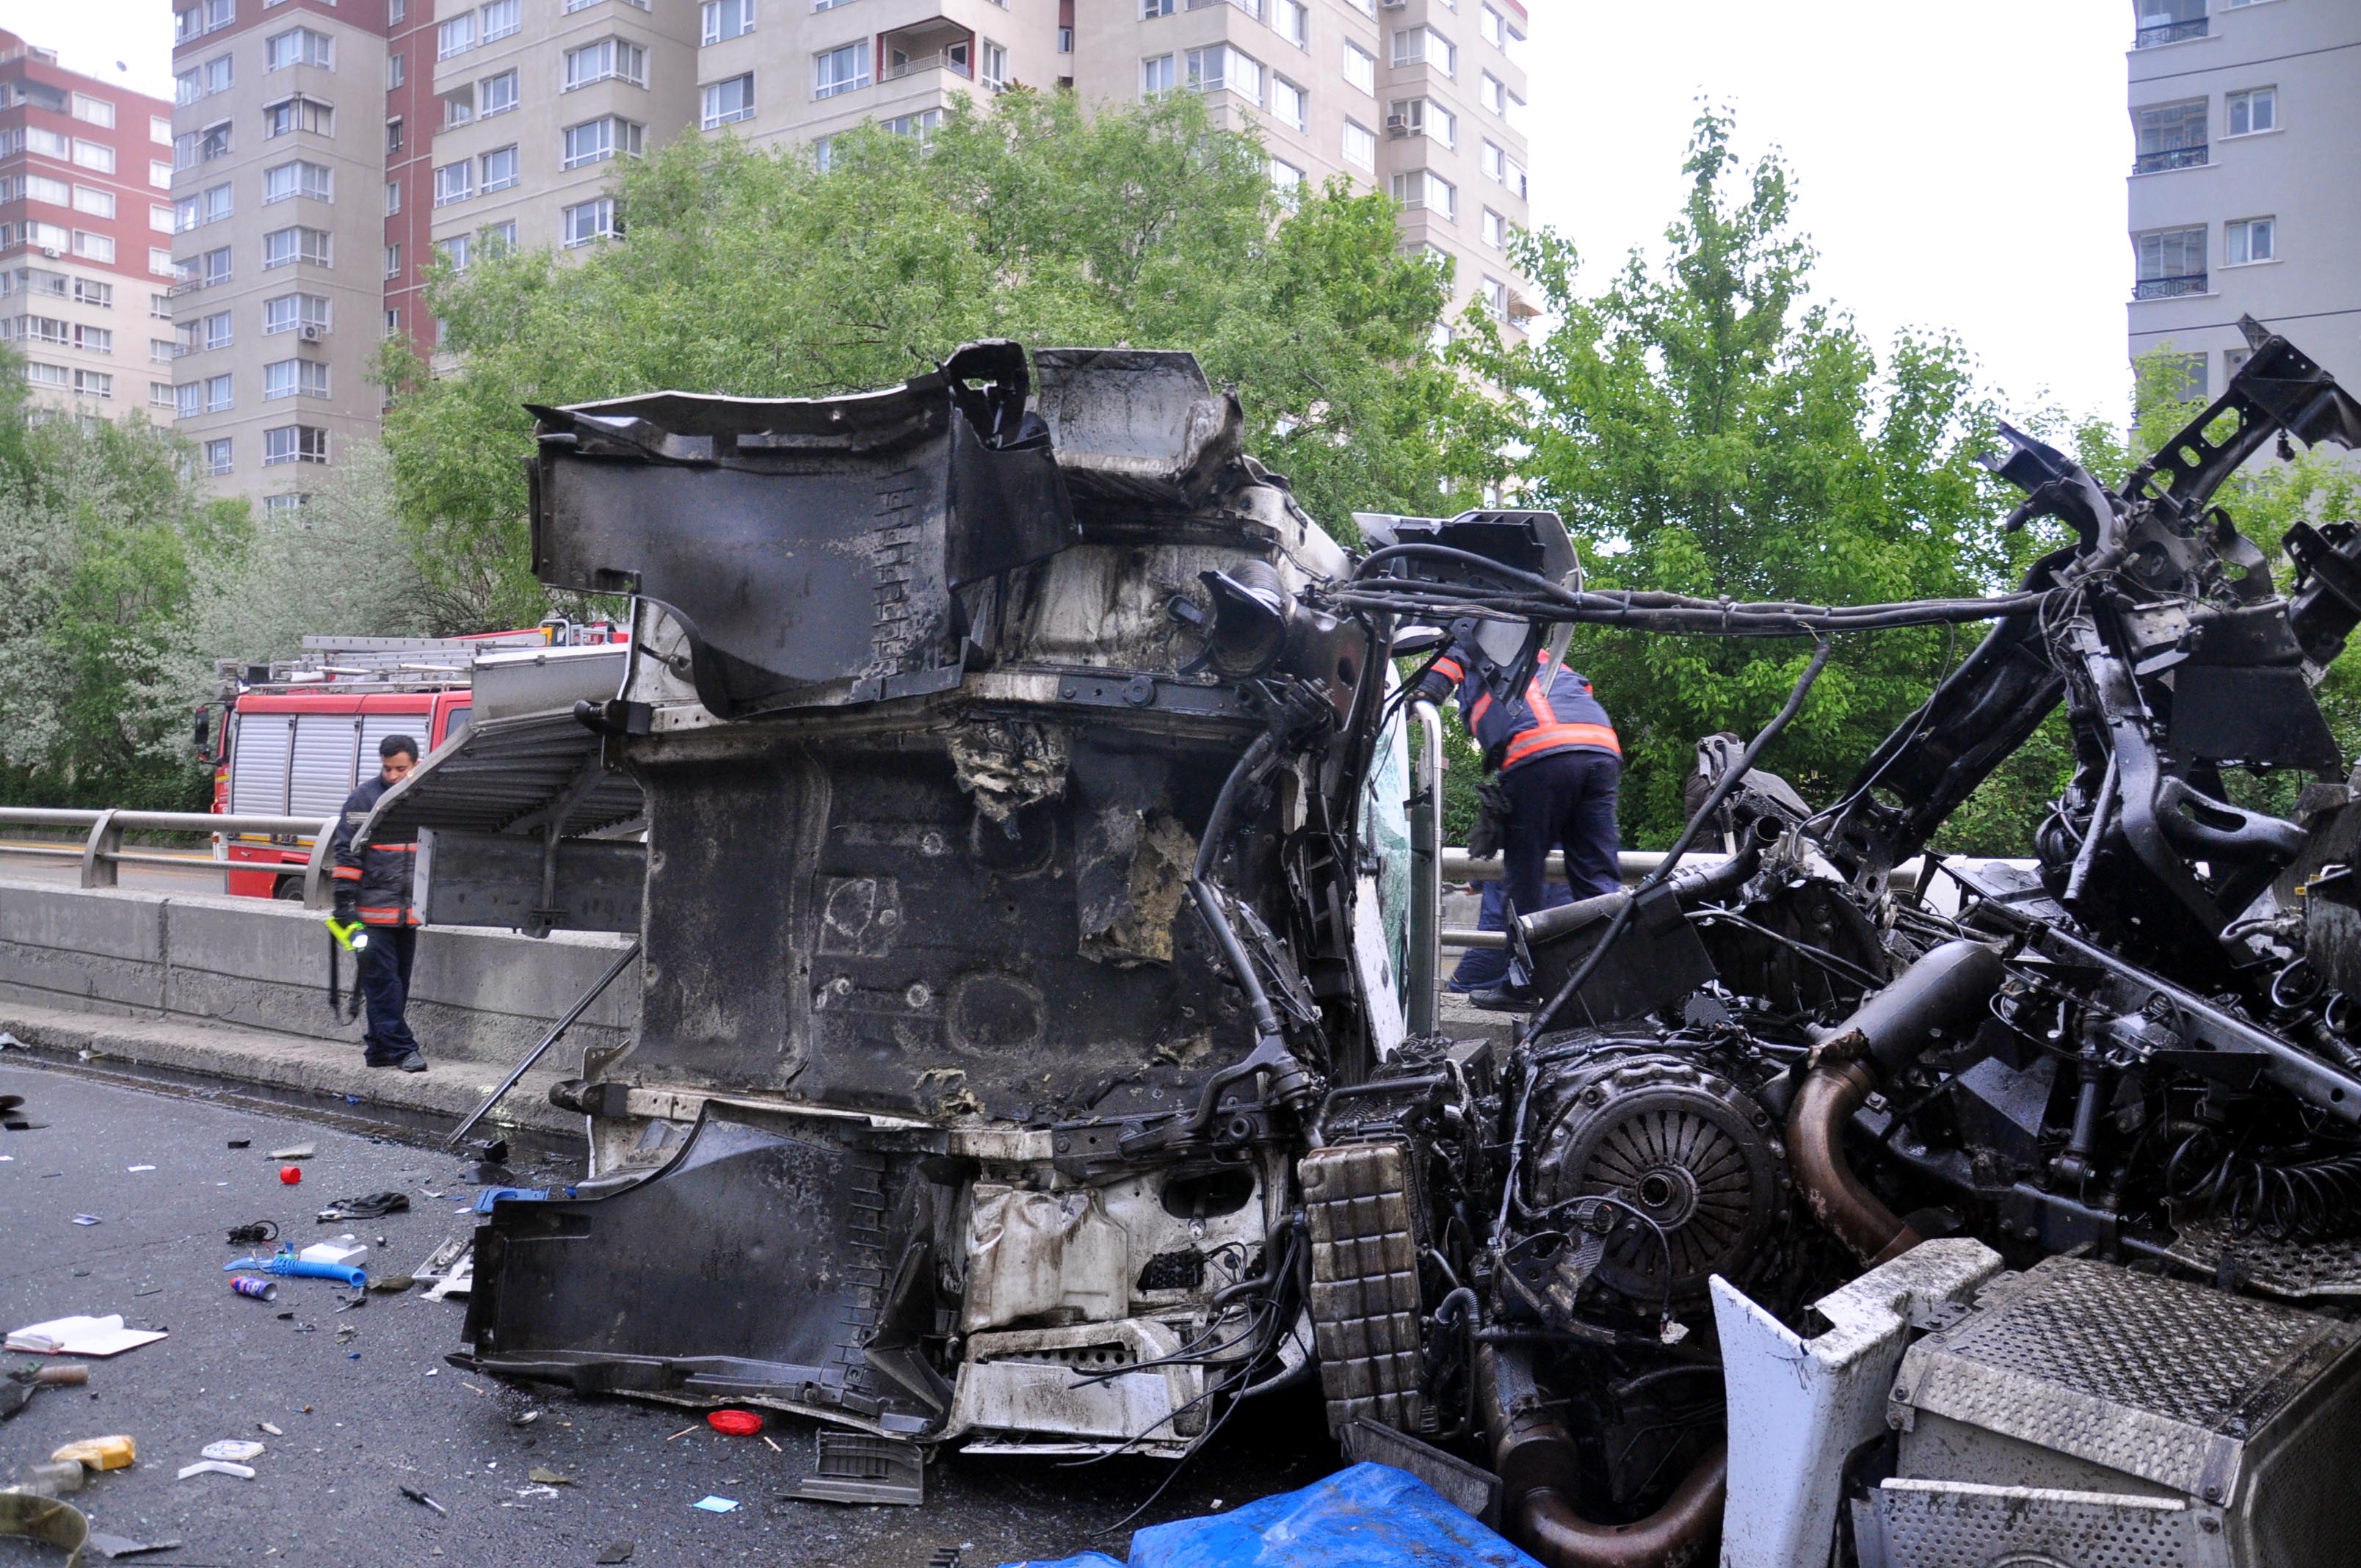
point(1559, 765)
point(375, 888)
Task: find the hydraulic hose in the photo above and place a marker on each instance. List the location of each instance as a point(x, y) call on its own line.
point(1950, 984)
point(1536, 1459)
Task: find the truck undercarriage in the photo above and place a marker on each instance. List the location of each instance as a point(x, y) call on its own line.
point(1024, 1061)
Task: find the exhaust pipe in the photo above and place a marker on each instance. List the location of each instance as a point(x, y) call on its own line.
point(1536, 1460)
point(1948, 985)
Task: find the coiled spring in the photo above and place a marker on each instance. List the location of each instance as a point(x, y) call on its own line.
point(2305, 1200)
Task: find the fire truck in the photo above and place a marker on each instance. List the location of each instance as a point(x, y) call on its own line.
point(294, 737)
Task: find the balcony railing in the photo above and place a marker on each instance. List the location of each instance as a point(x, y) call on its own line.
point(2170, 33)
point(2171, 157)
point(2169, 288)
point(897, 69)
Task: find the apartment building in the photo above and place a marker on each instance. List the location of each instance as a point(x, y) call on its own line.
point(2244, 114)
point(85, 225)
point(501, 121)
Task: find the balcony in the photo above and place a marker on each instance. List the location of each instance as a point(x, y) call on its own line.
point(910, 65)
point(2162, 158)
point(2171, 288)
point(2157, 33)
point(934, 44)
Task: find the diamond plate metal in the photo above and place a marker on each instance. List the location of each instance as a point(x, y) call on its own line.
point(1934, 1524)
point(1365, 1295)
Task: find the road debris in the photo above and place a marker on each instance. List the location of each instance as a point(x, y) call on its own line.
point(296, 1151)
point(262, 1232)
point(369, 1206)
point(258, 1289)
point(716, 1504)
point(217, 1467)
point(734, 1423)
point(237, 1451)
point(136, 1169)
point(114, 1546)
point(86, 1220)
point(35, 1517)
point(273, 1431)
point(415, 1496)
point(613, 1552)
point(98, 1337)
point(17, 1389)
point(545, 1476)
point(117, 1452)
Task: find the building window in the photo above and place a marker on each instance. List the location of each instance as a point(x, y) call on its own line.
point(1495, 230)
point(162, 351)
point(993, 67)
point(1157, 75)
point(215, 266)
point(1424, 46)
point(201, 81)
point(160, 175)
point(288, 181)
point(299, 46)
point(500, 168)
point(2244, 241)
point(454, 182)
point(496, 94)
point(393, 262)
point(1494, 93)
point(1290, 21)
point(159, 306)
point(161, 396)
point(2171, 262)
point(95, 111)
point(920, 124)
point(1495, 295)
point(1150, 9)
point(218, 394)
point(2169, 135)
point(499, 238)
point(40, 375)
point(1488, 23)
point(2251, 113)
point(295, 312)
point(1423, 118)
point(91, 291)
point(1065, 40)
point(393, 70)
point(94, 247)
point(297, 114)
point(392, 197)
point(1221, 68)
point(456, 36)
point(1361, 67)
point(727, 19)
point(502, 17)
point(285, 502)
point(201, 145)
point(725, 102)
point(217, 456)
point(1290, 102)
point(393, 321)
point(218, 330)
point(596, 140)
point(588, 222)
point(1422, 188)
point(2168, 22)
point(1360, 145)
point(188, 400)
point(196, 21)
point(93, 384)
point(294, 443)
point(163, 220)
point(293, 379)
point(282, 248)
point(1285, 177)
point(393, 136)
point(458, 106)
point(608, 59)
point(1494, 162)
point(840, 69)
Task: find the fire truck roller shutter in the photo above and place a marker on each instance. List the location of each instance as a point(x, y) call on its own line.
point(376, 727)
point(325, 746)
point(258, 764)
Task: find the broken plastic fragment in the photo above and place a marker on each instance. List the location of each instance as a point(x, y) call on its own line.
point(217, 1467)
point(716, 1504)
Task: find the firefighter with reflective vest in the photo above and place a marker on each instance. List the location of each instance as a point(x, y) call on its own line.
point(374, 887)
point(1559, 765)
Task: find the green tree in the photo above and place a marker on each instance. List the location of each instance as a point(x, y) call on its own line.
point(765, 274)
point(102, 531)
point(1706, 428)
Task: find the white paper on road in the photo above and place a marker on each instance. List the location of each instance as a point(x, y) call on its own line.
point(80, 1336)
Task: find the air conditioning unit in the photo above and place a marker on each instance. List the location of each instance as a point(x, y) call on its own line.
point(311, 333)
point(1391, 5)
point(1396, 125)
point(51, 251)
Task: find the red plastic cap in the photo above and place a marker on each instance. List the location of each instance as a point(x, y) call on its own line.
point(291, 1174)
point(736, 1423)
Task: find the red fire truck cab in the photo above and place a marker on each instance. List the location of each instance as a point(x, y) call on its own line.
point(297, 736)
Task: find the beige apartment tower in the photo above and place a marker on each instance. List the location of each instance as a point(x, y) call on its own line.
point(326, 151)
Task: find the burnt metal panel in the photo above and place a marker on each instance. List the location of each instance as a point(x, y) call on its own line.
point(2265, 717)
point(494, 879)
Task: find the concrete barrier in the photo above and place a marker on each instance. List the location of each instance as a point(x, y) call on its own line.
point(477, 995)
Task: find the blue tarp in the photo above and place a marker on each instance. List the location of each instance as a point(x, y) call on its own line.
point(1371, 1516)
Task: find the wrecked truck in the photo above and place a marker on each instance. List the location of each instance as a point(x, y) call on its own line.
point(1030, 1058)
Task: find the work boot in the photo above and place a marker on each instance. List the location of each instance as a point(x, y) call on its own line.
point(414, 1062)
point(1505, 998)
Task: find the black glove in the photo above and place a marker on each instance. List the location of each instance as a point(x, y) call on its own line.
point(1491, 830)
point(348, 904)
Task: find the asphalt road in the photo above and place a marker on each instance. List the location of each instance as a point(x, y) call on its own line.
point(201, 875)
point(364, 1418)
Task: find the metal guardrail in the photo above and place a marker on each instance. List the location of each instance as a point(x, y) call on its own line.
point(2166, 157)
point(2174, 287)
point(101, 852)
point(2170, 32)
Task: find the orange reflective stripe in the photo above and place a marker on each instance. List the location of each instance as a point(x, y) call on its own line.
point(1538, 700)
point(346, 874)
point(1483, 705)
point(1449, 668)
point(1542, 737)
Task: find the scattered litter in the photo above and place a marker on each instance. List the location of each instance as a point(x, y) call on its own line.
point(5, 1158)
point(774, 1447)
point(344, 1335)
point(18, 1388)
point(114, 1546)
point(136, 1169)
point(58, 1479)
point(291, 1174)
point(260, 1290)
point(352, 1356)
point(288, 1265)
point(547, 1477)
point(716, 1504)
point(273, 1431)
point(525, 1419)
point(415, 1496)
point(255, 1234)
point(297, 1151)
point(681, 1433)
point(149, 1290)
point(369, 1206)
point(734, 1423)
point(236, 1450)
point(859, 1468)
point(331, 1252)
point(80, 1336)
point(9, 1041)
point(217, 1467)
point(614, 1551)
point(536, 1491)
point(46, 1519)
point(86, 1218)
point(115, 1452)
point(241, 1143)
point(451, 1267)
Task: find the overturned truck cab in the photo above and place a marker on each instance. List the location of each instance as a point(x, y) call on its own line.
point(1000, 914)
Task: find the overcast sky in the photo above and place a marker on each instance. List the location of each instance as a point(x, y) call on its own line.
point(1958, 169)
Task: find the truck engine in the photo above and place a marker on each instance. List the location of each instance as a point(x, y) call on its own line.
point(1025, 1063)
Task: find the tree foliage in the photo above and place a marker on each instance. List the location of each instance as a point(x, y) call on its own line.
point(1707, 428)
point(102, 536)
point(765, 274)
